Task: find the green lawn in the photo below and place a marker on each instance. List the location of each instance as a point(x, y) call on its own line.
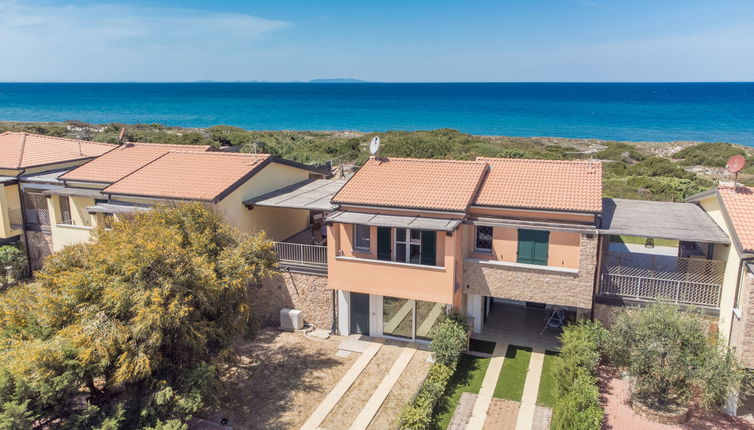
point(547, 386)
point(510, 383)
point(468, 378)
point(643, 240)
point(482, 346)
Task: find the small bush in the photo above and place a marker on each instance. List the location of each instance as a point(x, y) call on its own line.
point(12, 265)
point(579, 408)
point(580, 352)
point(449, 339)
point(418, 415)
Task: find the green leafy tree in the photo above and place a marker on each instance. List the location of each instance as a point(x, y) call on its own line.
point(669, 355)
point(711, 154)
point(126, 331)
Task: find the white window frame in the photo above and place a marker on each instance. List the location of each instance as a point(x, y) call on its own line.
point(476, 241)
point(408, 242)
point(356, 246)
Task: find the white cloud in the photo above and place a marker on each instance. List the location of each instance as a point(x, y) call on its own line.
point(119, 42)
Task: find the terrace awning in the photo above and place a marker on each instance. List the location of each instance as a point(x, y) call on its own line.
point(116, 208)
point(75, 192)
point(399, 221)
point(661, 220)
point(310, 195)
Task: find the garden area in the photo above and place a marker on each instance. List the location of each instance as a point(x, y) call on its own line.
point(655, 367)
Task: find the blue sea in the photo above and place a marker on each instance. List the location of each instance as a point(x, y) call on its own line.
point(616, 111)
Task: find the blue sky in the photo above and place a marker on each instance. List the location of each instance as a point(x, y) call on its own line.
point(391, 41)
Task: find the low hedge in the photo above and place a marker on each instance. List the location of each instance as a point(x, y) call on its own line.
point(448, 342)
point(578, 399)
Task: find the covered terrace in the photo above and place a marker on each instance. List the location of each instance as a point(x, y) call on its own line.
point(689, 272)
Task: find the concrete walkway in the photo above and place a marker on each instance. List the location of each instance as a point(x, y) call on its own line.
point(327, 405)
point(380, 394)
point(525, 419)
point(482, 405)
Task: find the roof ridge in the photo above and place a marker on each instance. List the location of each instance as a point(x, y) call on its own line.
point(238, 154)
point(21, 151)
point(164, 144)
point(434, 160)
point(70, 139)
point(539, 160)
point(134, 171)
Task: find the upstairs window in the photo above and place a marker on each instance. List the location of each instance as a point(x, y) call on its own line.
point(415, 246)
point(533, 246)
point(483, 241)
point(361, 237)
point(65, 210)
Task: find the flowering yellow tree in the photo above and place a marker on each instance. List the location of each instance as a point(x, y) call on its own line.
point(124, 332)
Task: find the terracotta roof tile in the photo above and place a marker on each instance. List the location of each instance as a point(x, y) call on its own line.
point(739, 204)
point(542, 184)
point(24, 150)
point(188, 175)
point(414, 183)
point(124, 160)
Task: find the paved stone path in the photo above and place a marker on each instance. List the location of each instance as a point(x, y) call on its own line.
point(463, 411)
point(327, 405)
point(482, 405)
point(531, 389)
point(380, 394)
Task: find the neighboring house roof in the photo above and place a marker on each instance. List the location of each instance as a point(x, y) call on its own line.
point(207, 176)
point(660, 220)
point(738, 204)
point(124, 160)
point(414, 183)
point(542, 184)
point(312, 194)
point(25, 150)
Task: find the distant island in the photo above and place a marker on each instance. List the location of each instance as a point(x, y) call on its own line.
point(337, 81)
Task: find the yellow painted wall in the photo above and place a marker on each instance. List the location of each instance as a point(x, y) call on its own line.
point(563, 250)
point(732, 257)
point(273, 177)
point(9, 200)
point(64, 234)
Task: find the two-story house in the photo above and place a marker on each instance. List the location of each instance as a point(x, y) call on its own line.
point(414, 238)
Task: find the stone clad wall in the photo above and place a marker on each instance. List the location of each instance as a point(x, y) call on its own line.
point(536, 285)
point(305, 292)
point(39, 245)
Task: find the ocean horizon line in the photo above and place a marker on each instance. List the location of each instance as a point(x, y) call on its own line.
point(357, 81)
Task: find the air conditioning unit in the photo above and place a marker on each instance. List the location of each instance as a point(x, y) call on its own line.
point(291, 319)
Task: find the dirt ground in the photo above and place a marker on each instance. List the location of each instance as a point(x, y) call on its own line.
point(349, 406)
point(403, 392)
point(502, 415)
point(280, 378)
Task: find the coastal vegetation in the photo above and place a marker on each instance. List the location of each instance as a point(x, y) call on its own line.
point(127, 331)
point(649, 170)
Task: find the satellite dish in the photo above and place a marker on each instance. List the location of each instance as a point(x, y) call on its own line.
point(735, 163)
point(374, 145)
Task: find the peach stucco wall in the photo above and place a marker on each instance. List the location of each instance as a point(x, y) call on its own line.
point(346, 243)
point(563, 249)
point(370, 276)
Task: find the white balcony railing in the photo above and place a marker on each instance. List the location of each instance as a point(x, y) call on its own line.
point(301, 255)
point(691, 281)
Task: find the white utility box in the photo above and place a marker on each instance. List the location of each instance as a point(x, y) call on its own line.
point(291, 319)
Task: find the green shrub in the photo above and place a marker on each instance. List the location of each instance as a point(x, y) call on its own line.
point(12, 265)
point(670, 356)
point(579, 408)
point(619, 151)
point(579, 353)
point(449, 339)
point(418, 415)
point(710, 154)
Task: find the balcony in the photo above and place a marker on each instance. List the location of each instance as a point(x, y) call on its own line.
point(298, 254)
point(646, 277)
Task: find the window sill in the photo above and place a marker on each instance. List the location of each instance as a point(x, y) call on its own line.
point(522, 265)
point(483, 251)
point(361, 251)
point(390, 263)
point(74, 227)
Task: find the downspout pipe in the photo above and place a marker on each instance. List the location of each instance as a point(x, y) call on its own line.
point(23, 223)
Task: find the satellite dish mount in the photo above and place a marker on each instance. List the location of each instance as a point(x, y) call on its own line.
point(374, 146)
point(734, 165)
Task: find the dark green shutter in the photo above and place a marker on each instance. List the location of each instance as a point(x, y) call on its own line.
point(541, 240)
point(525, 246)
point(429, 239)
point(533, 246)
point(383, 244)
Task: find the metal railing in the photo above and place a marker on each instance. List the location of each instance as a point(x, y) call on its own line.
point(301, 254)
point(15, 218)
point(658, 277)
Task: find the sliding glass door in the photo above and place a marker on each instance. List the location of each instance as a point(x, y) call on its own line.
point(410, 319)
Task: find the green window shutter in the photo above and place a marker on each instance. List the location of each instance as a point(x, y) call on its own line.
point(525, 246)
point(541, 245)
point(429, 240)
